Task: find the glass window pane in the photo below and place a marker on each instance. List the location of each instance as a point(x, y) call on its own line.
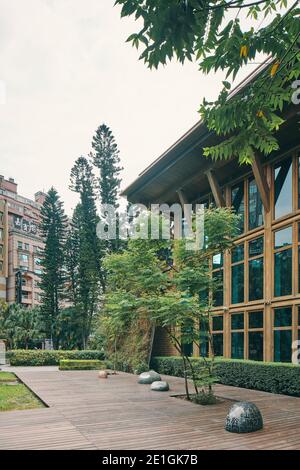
point(256, 279)
point(218, 292)
point(256, 247)
point(256, 346)
point(283, 273)
point(203, 337)
point(237, 321)
point(283, 316)
point(299, 317)
point(218, 261)
point(283, 237)
point(256, 319)
point(237, 283)
point(237, 198)
point(237, 253)
point(237, 345)
point(255, 212)
point(283, 188)
point(282, 345)
point(218, 344)
point(217, 323)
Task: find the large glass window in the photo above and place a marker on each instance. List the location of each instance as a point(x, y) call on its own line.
point(218, 344)
point(282, 345)
point(256, 336)
point(237, 321)
point(256, 269)
point(237, 336)
point(283, 262)
point(283, 334)
point(1, 234)
point(255, 207)
point(218, 334)
point(218, 294)
point(237, 274)
point(238, 203)
point(237, 345)
point(203, 338)
point(283, 188)
point(256, 345)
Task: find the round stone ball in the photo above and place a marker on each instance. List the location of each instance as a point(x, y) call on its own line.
point(148, 377)
point(102, 374)
point(160, 386)
point(244, 417)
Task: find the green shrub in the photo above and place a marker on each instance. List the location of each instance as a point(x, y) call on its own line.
point(69, 364)
point(266, 376)
point(43, 357)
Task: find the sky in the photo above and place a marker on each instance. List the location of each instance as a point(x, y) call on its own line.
point(65, 69)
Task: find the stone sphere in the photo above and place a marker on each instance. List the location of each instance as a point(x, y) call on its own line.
point(160, 386)
point(148, 377)
point(243, 417)
point(102, 374)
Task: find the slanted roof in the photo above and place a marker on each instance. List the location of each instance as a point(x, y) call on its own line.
point(183, 166)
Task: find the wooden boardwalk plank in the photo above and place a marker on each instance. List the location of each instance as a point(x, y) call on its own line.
point(87, 413)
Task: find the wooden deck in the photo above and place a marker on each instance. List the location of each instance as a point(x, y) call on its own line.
point(87, 413)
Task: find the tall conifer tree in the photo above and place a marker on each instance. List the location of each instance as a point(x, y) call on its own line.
point(53, 230)
point(106, 159)
point(90, 275)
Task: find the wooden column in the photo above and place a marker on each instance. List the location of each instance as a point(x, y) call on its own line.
point(215, 189)
point(268, 279)
point(261, 181)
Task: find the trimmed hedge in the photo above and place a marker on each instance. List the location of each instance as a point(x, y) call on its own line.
point(68, 364)
point(44, 357)
point(271, 377)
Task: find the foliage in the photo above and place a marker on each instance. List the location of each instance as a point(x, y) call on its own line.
point(7, 377)
point(145, 285)
point(208, 33)
point(270, 377)
point(87, 364)
point(43, 357)
point(135, 280)
point(53, 230)
point(106, 159)
point(21, 326)
point(88, 276)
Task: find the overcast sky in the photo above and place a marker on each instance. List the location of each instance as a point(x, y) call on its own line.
point(67, 69)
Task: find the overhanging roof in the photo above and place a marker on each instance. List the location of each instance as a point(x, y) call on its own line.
point(183, 165)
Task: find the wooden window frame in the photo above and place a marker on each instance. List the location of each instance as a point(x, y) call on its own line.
point(246, 330)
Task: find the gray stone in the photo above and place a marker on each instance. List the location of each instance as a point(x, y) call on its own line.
point(160, 386)
point(148, 377)
point(243, 417)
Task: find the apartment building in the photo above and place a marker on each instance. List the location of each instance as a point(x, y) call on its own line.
point(20, 245)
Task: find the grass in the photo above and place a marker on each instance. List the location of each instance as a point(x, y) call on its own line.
point(7, 377)
point(16, 396)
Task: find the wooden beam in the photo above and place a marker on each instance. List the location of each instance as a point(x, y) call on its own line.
point(184, 201)
point(215, 188)
point(182, 197)
point(261, 182)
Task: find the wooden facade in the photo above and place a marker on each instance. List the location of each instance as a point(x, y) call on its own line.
point(257, 315)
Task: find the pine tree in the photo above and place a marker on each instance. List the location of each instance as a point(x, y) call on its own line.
point(90, 274)
point(106, 159)
point(53, 230)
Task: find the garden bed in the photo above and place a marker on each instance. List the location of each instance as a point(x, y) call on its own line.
point(14, 395)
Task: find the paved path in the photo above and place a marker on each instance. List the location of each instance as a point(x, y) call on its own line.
point(88, 413)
